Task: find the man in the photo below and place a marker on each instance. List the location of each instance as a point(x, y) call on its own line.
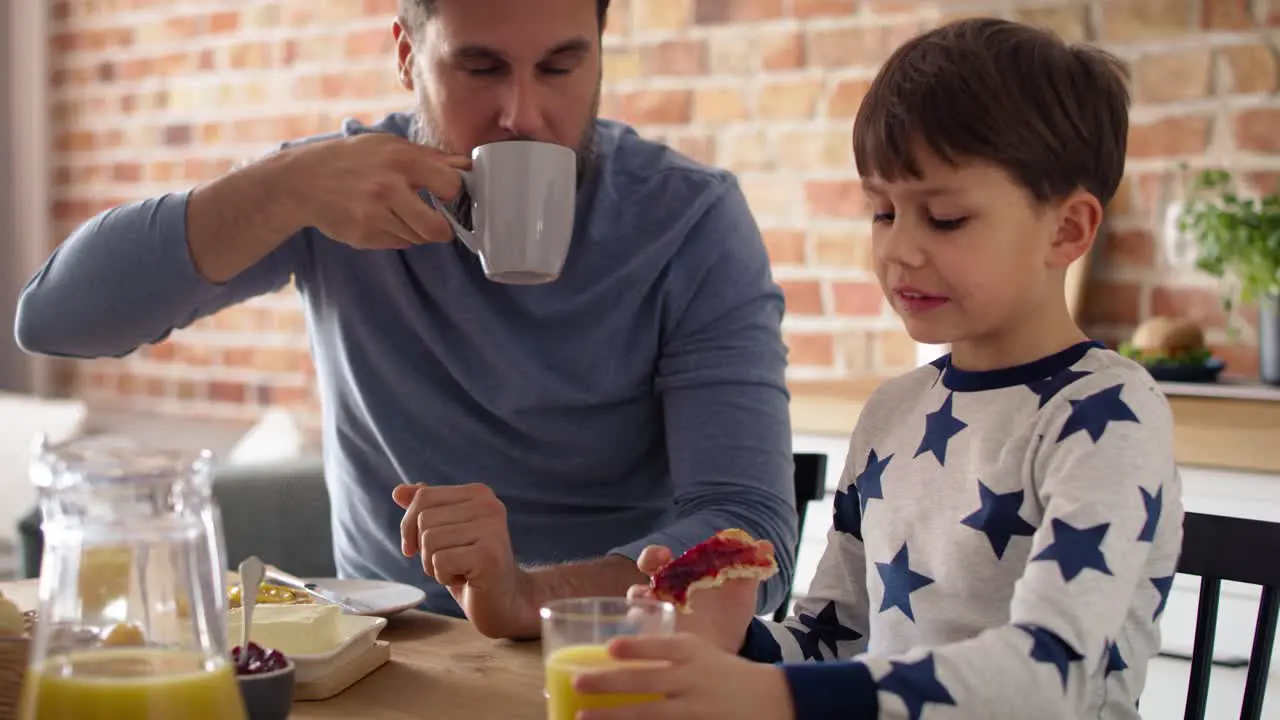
point(515, 443)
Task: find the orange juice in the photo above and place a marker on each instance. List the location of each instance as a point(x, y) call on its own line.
point(131, 684)
point(567, 663)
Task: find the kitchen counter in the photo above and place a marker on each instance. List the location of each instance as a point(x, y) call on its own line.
point(1229, 425)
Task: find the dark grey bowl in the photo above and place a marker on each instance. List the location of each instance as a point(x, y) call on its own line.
point(268, 696)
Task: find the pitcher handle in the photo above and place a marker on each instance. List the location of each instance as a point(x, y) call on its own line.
point(467, 237)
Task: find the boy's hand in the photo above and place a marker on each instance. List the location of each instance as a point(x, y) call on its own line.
point(697, 681)
point(719, 615)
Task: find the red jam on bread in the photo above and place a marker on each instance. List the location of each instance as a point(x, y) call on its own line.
point(727, 555)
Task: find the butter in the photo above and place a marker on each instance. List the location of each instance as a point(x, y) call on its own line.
point(291, 629)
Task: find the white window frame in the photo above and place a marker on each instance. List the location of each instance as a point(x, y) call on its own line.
point(31, 140)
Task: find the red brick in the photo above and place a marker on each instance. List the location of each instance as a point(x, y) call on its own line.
point(782, 50)
point(857, 299)
point(1174, 76)
point(847, 97)
point(374, 41)
point(785, 247)
point(894, 350)
point(1258, 130)
point(662, 15)
point(1070, 22)
point(126, 172)
point(1111, 303)
point(804, 297)
point(792, 98)
point(1265, 182)
point(1241, 360)
point(834, 198)
point(824, 8)
point(676, 57)
point(701, 148)
point(1226, 14)
point(720, 12)
point(1171, 137)
point(658, 107)
point(224, 22)
point(1132, 248)
point(1253, 67)
point(1201, 306)
point(1127, 20)
point(856, 46)
point(228, 392)
point(843, 249)
point(810, 349)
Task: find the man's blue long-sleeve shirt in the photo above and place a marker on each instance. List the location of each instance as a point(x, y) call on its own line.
point(639, 399)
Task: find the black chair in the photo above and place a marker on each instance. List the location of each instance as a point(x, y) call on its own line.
point(1239, 550)
point(810, 477)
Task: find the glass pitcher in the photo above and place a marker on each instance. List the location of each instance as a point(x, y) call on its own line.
point(132, 616)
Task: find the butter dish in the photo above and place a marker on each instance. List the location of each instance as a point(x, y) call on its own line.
point(317, 634)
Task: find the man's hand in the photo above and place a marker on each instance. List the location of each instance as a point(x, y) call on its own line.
point(696, 681)
point(719, 615)
point(362, 190)
point(461, 533)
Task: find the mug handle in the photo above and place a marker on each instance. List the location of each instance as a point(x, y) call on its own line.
point(467, 237)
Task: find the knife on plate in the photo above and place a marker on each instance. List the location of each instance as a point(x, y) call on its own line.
point(347, 604)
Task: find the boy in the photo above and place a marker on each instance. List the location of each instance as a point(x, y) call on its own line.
point(1009, 521)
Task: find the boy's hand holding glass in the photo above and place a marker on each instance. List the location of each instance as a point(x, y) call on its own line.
point(693, 680)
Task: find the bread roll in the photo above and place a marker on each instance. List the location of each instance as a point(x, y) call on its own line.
point(1168, 336)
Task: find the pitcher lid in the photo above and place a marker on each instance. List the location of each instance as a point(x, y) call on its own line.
point(108, 457)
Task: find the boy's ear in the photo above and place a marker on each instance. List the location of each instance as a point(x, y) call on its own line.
point(1079, 218)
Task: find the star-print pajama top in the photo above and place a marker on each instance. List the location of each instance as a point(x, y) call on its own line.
point(1002, 547)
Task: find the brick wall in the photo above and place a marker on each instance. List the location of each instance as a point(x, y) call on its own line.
point(151, 95)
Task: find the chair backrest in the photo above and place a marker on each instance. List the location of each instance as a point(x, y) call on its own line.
point(810, 477)
point(1220, 548)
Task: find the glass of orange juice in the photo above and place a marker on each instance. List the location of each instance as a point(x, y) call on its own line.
point(575, 637)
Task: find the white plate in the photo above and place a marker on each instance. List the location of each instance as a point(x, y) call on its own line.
point(352, 630)
point(382, 598)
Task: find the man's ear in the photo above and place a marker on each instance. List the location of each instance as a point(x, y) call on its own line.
point(404, 52)
point(1079, 217)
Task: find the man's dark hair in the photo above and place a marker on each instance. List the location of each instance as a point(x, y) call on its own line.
point(416, 12)
point(1053, 115)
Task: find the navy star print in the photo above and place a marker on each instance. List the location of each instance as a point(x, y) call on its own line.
point(1162, 585)
point(899, 582)
point(1115, 663)
point(939, 427)
point(1153, 503)
point(1045, 389)
point(826, 628)
point(1094, 413)
point(1047, 647)
point(917, 684)
point(998, 518)
point(868, 481)
point(1075, 549)
point(848, 514)
point(807, 642)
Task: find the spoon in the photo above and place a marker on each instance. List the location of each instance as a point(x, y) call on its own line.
point(251, 570)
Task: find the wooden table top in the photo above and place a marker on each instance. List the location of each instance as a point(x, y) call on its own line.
point(440, 668)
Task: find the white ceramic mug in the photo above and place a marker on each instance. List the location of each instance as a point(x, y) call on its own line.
point(522, 207)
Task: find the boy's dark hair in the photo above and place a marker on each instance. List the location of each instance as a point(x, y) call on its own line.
point(1055, 116)
point(415, 12)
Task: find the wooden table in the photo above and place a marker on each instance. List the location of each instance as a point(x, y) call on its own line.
point(440, 668)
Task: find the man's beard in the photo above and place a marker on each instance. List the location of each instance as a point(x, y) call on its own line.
point(426, 132)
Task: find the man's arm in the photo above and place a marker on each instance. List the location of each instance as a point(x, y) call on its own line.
point(721, 375)
point(133, 274)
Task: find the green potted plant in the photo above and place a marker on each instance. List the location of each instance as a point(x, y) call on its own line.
point(1237, 240)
